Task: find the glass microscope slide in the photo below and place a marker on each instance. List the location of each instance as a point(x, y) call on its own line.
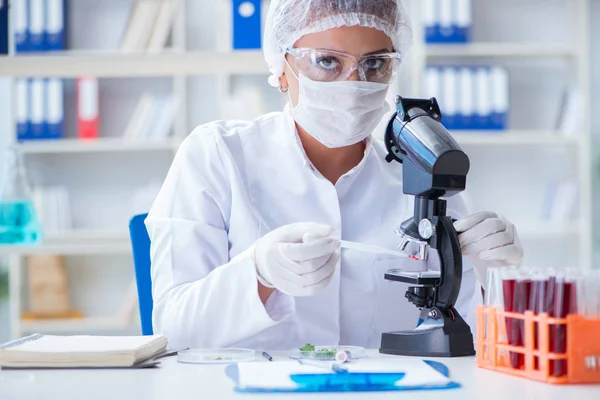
point(371, 248)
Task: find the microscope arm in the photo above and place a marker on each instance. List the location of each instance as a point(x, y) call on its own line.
point(446, 243)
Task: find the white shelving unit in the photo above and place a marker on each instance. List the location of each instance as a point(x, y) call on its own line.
point(514, 138)
point(175, 63)
point(68, 248)
point(103, 145)
point(99, 324)
point(499, 50)
point(575, 53)
point(75, 64)
point(182, 63)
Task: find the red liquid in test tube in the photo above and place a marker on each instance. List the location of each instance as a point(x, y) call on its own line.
point(520, 304)
point(547, 306)
point(536, 304)
point(565, 302)
point(508, 290)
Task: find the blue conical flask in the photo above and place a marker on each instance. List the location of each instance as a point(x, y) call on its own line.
point(19, 223)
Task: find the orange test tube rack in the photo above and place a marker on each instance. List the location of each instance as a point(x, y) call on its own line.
point(582, 346)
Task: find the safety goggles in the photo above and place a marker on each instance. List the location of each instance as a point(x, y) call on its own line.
point(329, 65)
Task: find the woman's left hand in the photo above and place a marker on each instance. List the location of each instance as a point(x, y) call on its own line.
point(489, 240)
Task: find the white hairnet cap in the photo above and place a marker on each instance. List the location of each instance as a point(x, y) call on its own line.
point(289, 20)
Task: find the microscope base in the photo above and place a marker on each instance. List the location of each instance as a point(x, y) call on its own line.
point(428, 343)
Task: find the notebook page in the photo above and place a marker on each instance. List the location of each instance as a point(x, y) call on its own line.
point(273, 375)
point(418, 373)
point(276, 375)
point(85, 344)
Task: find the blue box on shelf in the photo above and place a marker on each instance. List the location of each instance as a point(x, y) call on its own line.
point(447, 21)
point(247, 24)
point(54, 30)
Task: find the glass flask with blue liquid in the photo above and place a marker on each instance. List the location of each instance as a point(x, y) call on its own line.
point(19, 223)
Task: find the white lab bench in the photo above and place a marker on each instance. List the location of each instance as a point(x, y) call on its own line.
point(173, 380)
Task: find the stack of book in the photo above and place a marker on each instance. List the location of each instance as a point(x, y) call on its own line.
point(561, 200)
point(4, 33)
point(152, 118)
point(447, 21)
point(39, 25)
point(149, 25)
point(39, 108)
point(470, 98)
point(53, 208)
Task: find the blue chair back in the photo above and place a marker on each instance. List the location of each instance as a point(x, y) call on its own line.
point(140, 243)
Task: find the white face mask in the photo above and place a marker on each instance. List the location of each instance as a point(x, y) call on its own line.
point(340, 114)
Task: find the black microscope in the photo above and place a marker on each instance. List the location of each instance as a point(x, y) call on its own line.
point(434, 166)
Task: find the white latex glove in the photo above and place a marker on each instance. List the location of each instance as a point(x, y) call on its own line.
point(488, 240)
point(297, 259)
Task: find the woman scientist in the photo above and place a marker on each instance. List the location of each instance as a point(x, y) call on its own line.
point(246, 229)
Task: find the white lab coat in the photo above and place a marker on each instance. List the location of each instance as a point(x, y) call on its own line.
point(231, 183)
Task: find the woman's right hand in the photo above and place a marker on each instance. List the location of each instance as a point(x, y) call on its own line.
point(297, 259)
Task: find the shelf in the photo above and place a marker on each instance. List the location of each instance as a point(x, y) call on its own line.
point(76, 242)
point(108, 145)
point(73, 64)
point(89, 235)
point(94, 146)
point(513, 137)
point(98, 324)
point(99, 247)
point(543, 230)
point(68, 249)
point(502, 50)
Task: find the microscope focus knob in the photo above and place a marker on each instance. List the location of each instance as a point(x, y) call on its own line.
point(426, 229)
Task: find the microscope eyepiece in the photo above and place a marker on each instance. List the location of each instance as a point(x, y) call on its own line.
point(434, 163)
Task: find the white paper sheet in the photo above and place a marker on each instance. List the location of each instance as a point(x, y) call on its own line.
point(276, 375)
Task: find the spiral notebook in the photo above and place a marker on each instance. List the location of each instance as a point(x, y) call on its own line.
point(47, 351)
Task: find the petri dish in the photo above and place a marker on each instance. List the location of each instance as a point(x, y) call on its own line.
point(215, 356)
point(328, 353)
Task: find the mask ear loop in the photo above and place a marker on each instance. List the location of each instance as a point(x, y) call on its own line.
point(287, 90)
point(291, 69)
point(281, 89)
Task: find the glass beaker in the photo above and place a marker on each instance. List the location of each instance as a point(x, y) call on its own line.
point(19, 223)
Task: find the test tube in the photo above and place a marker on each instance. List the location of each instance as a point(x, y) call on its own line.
point(508, 289)
point(595, 298)
point(588, 287)
point(537, 304)
point(494, 298)
point(522, 291)
point(493, 292)
point(565, 303)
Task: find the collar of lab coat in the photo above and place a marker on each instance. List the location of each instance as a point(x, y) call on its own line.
point(296, 138)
